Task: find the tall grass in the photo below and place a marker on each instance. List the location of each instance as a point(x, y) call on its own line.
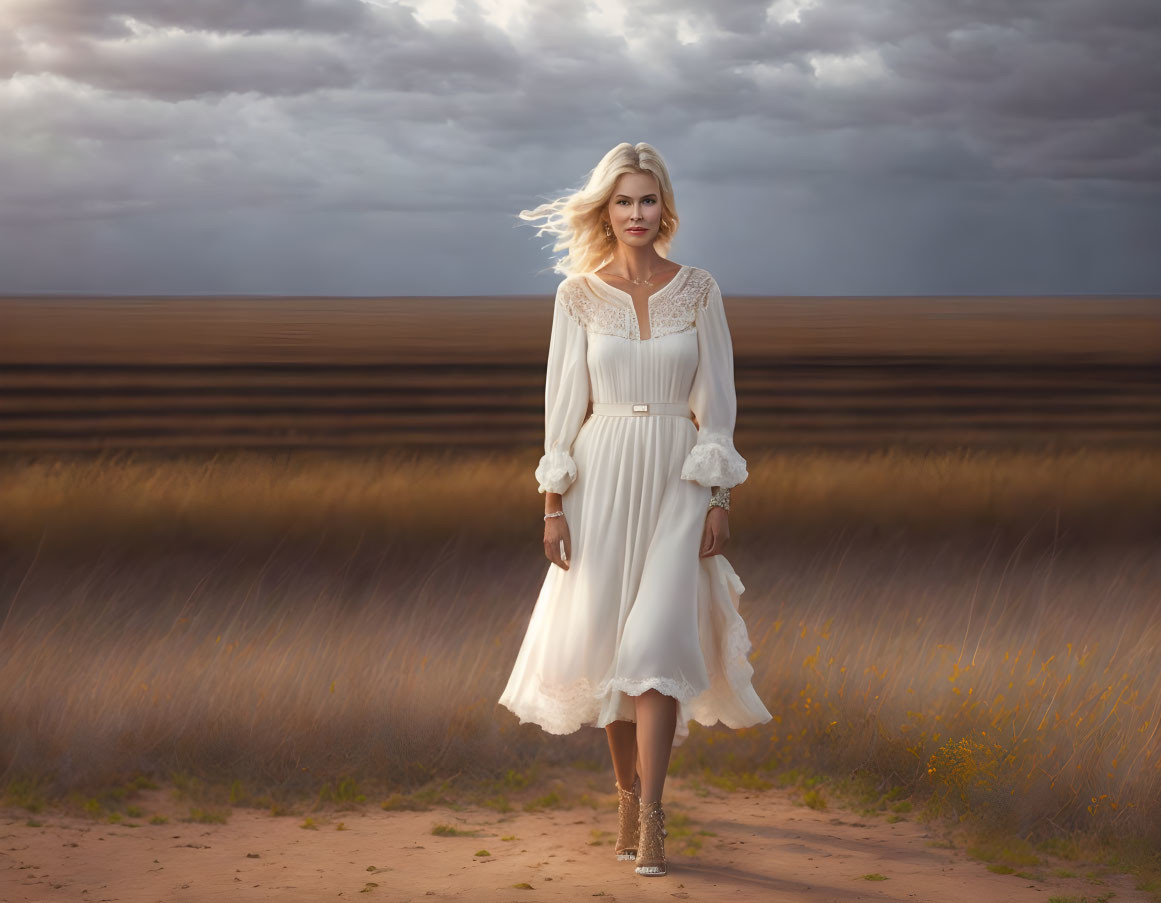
point(423, 498)
point(979, 626)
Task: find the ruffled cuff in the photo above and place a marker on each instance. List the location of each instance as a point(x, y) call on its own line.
point(714, 462)
point(555, 472)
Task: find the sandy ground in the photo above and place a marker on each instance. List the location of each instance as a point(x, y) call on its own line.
point(764, 847)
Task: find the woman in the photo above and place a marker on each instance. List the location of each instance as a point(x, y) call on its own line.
point(636, 628)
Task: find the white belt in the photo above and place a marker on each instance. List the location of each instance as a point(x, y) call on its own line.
point(629, 409)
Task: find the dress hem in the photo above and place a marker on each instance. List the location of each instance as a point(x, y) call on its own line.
point(567, 708)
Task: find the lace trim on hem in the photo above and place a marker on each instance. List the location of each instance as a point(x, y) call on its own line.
point(682, 690)
point(573, 705)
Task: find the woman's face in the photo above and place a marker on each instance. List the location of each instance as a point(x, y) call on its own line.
point(634, 210)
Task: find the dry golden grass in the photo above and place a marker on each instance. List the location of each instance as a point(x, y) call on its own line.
point(978, 628)
point(423, 498)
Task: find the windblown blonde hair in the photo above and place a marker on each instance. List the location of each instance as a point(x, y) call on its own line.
point(575, 219)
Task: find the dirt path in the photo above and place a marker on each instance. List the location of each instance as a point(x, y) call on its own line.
point(763, 847)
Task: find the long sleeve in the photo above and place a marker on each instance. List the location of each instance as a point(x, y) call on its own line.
point(566, 397)
point(714, 461)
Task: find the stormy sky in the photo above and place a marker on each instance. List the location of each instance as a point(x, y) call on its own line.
point(371, 147)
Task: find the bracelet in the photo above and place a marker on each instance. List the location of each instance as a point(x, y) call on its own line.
point(554, 514)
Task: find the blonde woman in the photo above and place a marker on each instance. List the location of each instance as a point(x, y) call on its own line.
point(636, 628)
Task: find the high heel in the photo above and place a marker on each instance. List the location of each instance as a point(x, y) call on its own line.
point(651, 849)
point(628, 819)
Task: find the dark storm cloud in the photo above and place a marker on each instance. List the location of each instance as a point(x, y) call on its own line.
point(107, 18)
point(190, 65)
point(175, 51)
point(1054, 89)
point(152, 119)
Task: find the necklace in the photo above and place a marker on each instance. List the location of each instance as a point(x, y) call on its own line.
point(648, 281)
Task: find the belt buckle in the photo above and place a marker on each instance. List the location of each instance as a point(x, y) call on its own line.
point(640, 409)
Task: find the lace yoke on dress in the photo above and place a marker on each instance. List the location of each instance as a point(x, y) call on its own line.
point(672, 308)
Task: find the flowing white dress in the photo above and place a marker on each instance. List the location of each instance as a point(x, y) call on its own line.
point(637, 608)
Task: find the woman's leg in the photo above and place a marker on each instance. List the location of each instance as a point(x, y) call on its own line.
point(656, 724)
point(623, 746)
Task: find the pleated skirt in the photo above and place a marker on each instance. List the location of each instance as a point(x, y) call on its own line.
point(637, 609)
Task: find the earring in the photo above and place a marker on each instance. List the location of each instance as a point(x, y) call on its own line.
point(608, 231)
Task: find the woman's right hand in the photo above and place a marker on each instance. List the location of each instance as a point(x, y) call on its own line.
point(556, 535)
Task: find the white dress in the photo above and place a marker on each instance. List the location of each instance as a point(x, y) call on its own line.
point(637, 608)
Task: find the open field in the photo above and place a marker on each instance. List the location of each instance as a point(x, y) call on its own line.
point(983, 631)
point(949, 541)
point(236, 330)
point(432, 372)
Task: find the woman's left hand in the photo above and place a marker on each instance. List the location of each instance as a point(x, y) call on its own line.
point(716, 532)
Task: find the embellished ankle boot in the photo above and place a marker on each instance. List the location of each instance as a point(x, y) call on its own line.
point(628, 819)
point(651, 849)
